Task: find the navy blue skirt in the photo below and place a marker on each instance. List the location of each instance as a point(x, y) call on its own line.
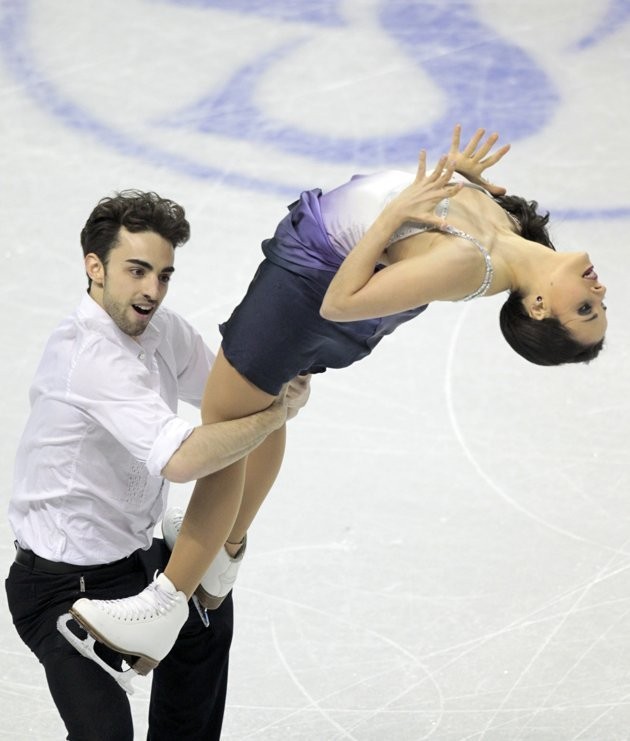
point(277, 333)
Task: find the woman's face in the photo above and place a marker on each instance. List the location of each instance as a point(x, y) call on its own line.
point(575, 297)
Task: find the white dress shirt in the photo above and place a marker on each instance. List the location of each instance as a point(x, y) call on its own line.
point(103, 424)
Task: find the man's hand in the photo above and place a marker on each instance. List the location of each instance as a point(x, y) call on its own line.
point(474, 158)
point(297, 394)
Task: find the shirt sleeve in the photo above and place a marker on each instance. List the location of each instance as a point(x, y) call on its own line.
point(193, 359)
point(122, 396)
point(168, 441)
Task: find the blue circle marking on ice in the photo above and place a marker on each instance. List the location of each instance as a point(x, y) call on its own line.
point(497, 74)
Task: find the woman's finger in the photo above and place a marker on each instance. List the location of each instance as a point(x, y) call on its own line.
point(496, 156)
point(486, 146)
point(474, 141)
point(422, 166)
point(457, 132)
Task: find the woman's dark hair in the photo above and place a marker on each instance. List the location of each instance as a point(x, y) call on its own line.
point(137, 212)
point(541, 341)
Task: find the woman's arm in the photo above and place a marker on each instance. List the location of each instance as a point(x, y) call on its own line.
point(472, 162)
point(356, 292)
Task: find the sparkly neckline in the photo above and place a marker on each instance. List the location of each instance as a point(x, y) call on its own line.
point(442, 210)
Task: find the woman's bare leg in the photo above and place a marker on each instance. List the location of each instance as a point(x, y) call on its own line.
point(216, 500)
point(263, 465)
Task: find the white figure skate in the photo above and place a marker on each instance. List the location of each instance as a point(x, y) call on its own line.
point(142, 628)
point(222, 572)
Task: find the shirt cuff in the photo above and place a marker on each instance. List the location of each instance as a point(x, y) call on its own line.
point(170, 438)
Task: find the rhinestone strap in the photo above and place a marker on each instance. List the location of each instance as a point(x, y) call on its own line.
point(442, 209)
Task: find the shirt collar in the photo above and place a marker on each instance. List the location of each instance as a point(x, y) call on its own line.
point(94, 316)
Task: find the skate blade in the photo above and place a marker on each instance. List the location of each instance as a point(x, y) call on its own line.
point(203, 612)
point(85, 646)
point(138, 662)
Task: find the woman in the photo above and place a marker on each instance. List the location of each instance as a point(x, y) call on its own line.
point(343, 270)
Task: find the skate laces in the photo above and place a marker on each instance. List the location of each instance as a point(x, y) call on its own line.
point(154, 600)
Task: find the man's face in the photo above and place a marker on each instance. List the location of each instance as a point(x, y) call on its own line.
point(135, 280)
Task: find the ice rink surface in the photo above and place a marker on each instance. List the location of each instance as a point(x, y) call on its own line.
point(446, 554)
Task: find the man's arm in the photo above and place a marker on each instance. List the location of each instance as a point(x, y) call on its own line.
point(211, 447)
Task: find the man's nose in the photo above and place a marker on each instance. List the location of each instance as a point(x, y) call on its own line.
point(151, 288)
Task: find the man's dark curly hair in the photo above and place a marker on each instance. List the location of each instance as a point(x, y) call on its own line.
point(137, 211)
point(541, 341)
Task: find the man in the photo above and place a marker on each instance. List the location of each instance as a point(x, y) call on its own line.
point(92, 469)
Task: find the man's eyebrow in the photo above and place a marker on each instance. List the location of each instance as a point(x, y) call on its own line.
point(148, 266)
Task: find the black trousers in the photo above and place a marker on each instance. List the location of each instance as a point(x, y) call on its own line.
point(188, 687)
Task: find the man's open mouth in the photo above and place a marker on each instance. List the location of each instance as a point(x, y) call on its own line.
point(143, 310)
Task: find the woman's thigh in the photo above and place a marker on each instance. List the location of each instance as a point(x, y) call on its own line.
point(229, 395)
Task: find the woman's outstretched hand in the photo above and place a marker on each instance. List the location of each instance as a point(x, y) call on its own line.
point(475, 158)
point(417, 201)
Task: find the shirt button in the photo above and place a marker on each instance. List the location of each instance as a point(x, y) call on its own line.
point(141, 356)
